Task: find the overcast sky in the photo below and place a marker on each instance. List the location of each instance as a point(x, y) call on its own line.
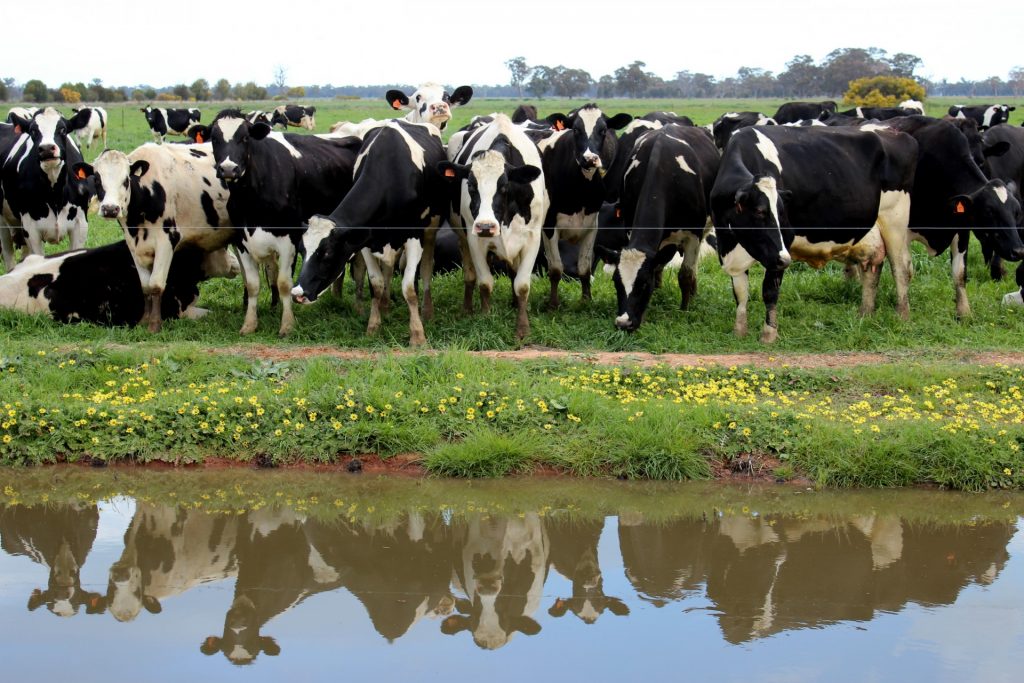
point(126, 42)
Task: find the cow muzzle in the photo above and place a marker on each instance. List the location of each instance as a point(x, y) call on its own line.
point(627, 323)
point(591, 161)
point(299, 296)
point(110, 210)
point(485, 229)
point(49, 153)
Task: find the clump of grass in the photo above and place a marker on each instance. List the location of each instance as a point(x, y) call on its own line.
point(483, 453)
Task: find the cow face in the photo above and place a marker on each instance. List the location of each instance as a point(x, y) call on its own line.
point(994, 213)
point(635, 276)
point(49, 133)
point(112, 176)
point(430, 103)
point(125, 595)
point(588, 601)
point(326, 248)
point(241, 642)
point(750, 226)
point(593, 137)
point(63, 595)
point(232, 138)
point(493, 192)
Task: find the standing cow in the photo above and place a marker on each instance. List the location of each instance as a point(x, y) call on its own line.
point(163, 122)
point(87, 124)
point(293, 115)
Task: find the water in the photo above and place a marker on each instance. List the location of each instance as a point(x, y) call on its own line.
point(320, 576)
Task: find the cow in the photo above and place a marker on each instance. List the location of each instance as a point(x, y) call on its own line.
point(667, 117)
point(951, 196)
point(293, 115)
point(257, 116)
point(524, 113)
point(1008, 167)
point(815, 194)
point(986, 115)
point(89, 123)
point(636, 129)
point(665, 203)
point(397, 200)
point(912, 106)
point(277, 182)
point(59, 537)
point(791, 112)
point(101, 285)
point(725, 125)
point(163, 122)
point(39, 192)
point(878, 113)
point(501, 203)
point(23, 113)
point(430, 103)
point(574, 555)
point(575, 159)
point(838, 120)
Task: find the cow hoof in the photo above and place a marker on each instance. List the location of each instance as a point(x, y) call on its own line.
point(284, 332)
point(740, 330)
point(247, 329)
point(155, 326)
point(417, 340)
point(769, 334)
point(1013, 299)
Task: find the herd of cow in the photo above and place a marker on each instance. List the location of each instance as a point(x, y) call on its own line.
point(809, 183)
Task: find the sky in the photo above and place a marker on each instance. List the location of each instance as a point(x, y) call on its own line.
point(465, 42)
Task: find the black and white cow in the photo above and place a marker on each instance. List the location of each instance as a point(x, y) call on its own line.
point(951, 196)
point(23, 113)
point(398, 199)
point(878, 113)
point(101, 285)
point(665, 203)
point(87, 124)
point(791, 112)
point(727, 124)
point(986, 115)
point(667, 117)
point(40, 193)
point(576, 157)
point(163, 122)
point(912, 107)
point(431, 103)
point(277, 182)
point(293, 115)
point(501, 203)
point(1008, 167)
point(836, 194)
point(257, 116)
point(574, 555)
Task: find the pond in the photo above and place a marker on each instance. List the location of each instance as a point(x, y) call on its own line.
point(166, 576)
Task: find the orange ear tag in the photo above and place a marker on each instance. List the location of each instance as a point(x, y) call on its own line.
point(449, 173)
point(559, 125)
point(199, 137)
point(960, 207)
point(80, 174)
point(618, 213)
point(397, 104)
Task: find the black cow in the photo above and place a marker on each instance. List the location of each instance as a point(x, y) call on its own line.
point(163, 122)
point(1008, 167)
point(986, 115)
point(952, 196)
point(665, 201)
point(101, 285)
point(431, 103)
point(293, 115)
point(277, 181)
point(842, 120)
point(524, 113)
point(837, 193)
point(574, 556)
point(397, 200)
point(636, 129)
point(791, 112)
point(40, 193)
point(575, 159)
point(727, 124)
point(667, 117)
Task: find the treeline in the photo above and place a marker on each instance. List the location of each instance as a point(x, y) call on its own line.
point(802, 78)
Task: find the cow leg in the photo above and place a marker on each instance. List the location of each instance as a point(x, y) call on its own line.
point(554, 260)
point(893, 219)
point(286, 257)
point(78, 232)
point(870, 275)
point(413, 254)
point(427, 271)
point(992, 260)
point(958, 259)
point(585, 260)
point(770, 293)
point(35, 240)
point(484, 277)
point(741, 292)
point(688, 271)
point(7, 246)
point(377, 290)
point(158, 280)
point(388, 270)
point(251, 274)
point(521, 286)
point(468, 271)
point(359, 280)
point(273, 271)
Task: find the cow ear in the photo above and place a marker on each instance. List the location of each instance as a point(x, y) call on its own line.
point(139, 168)
point(619, 121)
point(996, 150)
point(609, 256)
point(741, 200)
point(151, 604)
point(454, 624)
point(462, 95)
point(617, 607)
point(258, 131)
point(451, 172)
point(210, 645)
point(559, 608)
point(558, 121)
point(960, 204)
point(35, 600)
point(524, 174)
point(310, 110)
point(526, 626)
point(82, 171)
point(96, 604)
point(198, 133)
point(20, 125)
point(270, 646)
point(397, 99)
point(1011, 109)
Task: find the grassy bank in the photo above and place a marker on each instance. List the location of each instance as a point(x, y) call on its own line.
point(883, 425)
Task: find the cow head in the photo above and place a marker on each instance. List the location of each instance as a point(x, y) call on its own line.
point(494, 191)
point(112, 176)
point(749, 225)
point(994, 213)
point(431, 103)
point(241, 641)
point(232, 137)
point(326, 250)
point(593, 137)
point(126, 597)
point(635, 277)
point(588, 601)
point(49, 133)
point(63, 595)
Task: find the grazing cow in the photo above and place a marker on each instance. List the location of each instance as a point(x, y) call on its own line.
point(791, 112)
point(397, 200)
point(524, 113)
point(836, 194)
point(727, 124)
point(501, 570)
point(163, 122)
point(1008, 167)
point(101, 285)
point(277, 181)
point(431, 103)
point(665, 203)
point(87, 124)
point(842, 120)
point(39, 191)
point(986, 115)
point(293, 115)
point(574, 556)
point(951, 196)
point(576, 157)
point(500, 203)
point(59, 537)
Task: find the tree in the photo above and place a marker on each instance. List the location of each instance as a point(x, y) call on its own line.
point(848, 64)
point(35, 91)
point(883, 91)
point(606, 87)
point(1016, 80)
point(632, 80)
point(280, 78)
point(222, 91)
point(540, 81)
point(182, 92)
point(520, 71)
point(566, 82)
point(70, 96)
point(201, 89)
point(903, 64)
point(297, 91)
point(801, 77)
point(3, 91)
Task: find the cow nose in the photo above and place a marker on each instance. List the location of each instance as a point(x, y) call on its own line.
point(439, 108)
point(783, 261)
point(591, 160)
point(485, 228)
point(110, 211)
point(1018, 254)
point(625, 323)
point(48, 150)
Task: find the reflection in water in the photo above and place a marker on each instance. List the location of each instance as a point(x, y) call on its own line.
point(485, 574)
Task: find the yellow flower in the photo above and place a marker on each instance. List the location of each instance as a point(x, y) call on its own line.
point(7, 438)
point(1007, 471)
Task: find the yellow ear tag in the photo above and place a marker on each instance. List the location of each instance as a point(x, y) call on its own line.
point(960, 207)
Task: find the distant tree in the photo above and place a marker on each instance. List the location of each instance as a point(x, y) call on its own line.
point(70, 96)
point(1016, 81)
point(632, 80)
point(883, 91)
point(35, 91)
point(280, 78)
point(297, 91)
point(801, 77)
point(520, 71)
point(566, 82)
point(149, 92)
point(903, 64)
point(994, 84)
point(848, 64)
point(4, 91)
point(168, 97)
point(754, 82)
point(222, 90)
point(182, 92)
point(540, 81)
point(250, 91)
point(139, 95)
point(201, 89)
point(605, 87)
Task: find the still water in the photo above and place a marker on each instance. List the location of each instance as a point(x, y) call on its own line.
point(318, 579)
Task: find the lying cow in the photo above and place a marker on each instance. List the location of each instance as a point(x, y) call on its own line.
point(163, 122)
point(293, 115)
point(87, 124)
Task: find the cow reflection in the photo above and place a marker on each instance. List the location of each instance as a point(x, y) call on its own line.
point(574, 556)
point(167, 551)
point(501, 570)
point(58, 537)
